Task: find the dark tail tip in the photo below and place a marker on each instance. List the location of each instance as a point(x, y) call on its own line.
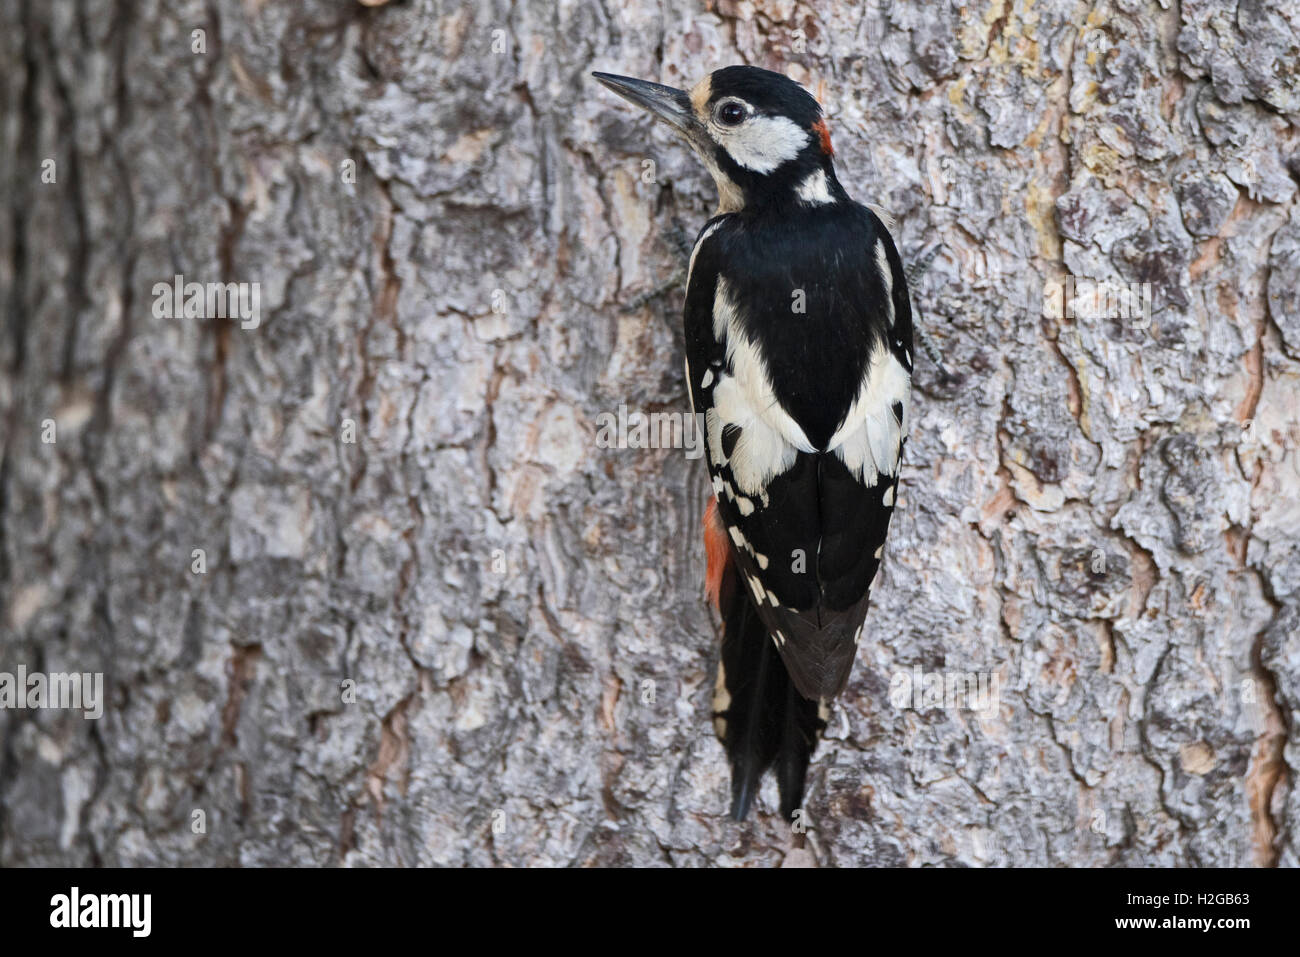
point(780, 733)
point(744, 784)
point(803, 726)
point(768, 724)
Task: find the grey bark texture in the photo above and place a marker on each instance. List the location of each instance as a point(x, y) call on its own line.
point(466, 634)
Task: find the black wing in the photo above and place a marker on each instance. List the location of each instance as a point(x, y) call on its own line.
point(799, 357)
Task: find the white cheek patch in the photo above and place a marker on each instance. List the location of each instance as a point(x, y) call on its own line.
point(814, 190)
point(770, 438)
point(869, 439)
point(762, 143)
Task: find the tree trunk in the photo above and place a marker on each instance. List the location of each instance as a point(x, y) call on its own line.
point(363, 581)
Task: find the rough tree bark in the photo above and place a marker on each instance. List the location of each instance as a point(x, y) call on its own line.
point(431, 645)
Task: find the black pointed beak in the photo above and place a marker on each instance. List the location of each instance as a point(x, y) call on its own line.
point(666, 103)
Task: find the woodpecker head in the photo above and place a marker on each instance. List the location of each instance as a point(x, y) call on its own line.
point(761, 135)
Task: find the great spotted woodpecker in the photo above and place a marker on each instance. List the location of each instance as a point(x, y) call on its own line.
point(799, 359)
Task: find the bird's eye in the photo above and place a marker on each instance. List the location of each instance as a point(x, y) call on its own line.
point(731, 113)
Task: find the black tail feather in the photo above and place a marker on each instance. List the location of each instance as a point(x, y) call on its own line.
point(760, 717)
point(803, 728)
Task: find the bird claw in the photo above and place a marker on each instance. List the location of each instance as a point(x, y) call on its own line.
point(668, 285)
point(913, 272)
point(921, 264)
point(683, 243)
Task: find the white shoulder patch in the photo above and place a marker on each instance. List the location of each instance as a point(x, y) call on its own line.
point(743, 396)
point(869, 439)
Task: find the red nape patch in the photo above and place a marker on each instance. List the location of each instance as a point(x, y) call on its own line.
point(824, 134)
point(717, 549)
